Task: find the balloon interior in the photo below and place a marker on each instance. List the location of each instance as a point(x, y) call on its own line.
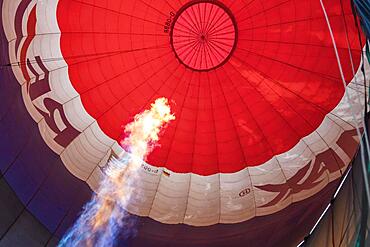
point(271, 106)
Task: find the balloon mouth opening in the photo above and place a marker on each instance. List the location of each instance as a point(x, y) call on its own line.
point(203, 35)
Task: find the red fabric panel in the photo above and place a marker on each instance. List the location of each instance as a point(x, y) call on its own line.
point(276, 87)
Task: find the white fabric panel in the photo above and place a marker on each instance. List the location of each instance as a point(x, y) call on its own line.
point(236, 208)
point(203, 205)
point(95, 177)
point(296, 158)
point(270, 171)
point(61, 87)
point(84, 153)
point(103, 162)
point(102, 138)
point(315, 142)
point(170, 201)
point(47, 10)
point(13, 59)
point(9, 9)
point(116, 148)
point(91, 146)
point(339, 121)
point(356, 107)
point(76, 162)
point(78, 117)
point(144, 191)
point(329, 131)
point(44, 46)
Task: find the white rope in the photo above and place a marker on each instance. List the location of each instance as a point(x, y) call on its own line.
point(366, 182)
point(366, 136)
point(364, 169)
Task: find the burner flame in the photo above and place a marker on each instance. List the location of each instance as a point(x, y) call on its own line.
point(103, 217)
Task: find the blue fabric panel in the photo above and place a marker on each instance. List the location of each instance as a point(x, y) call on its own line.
point(14, 136)
point(60, 193)
point(30, 169)
point(35, 173)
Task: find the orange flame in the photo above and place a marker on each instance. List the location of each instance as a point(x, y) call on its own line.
point(143, 133)
point(104, 216)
